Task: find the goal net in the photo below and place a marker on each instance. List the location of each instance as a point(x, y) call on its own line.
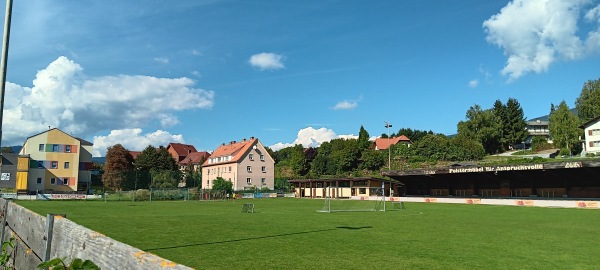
point(374, 202)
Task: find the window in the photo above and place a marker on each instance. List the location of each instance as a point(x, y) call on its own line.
point(362, 191)
point(68, 148)
point(53, 181)
point(67, 165)
point(229, 168)
point(264, 168)
point(595, 144)
point(249, 168)
point(39, 180)
point(208, 183)
point(41, 147)
point(262, 157)
point(54, 164)
point(66, 181)
point(251, 156)
point(594, 132)
point(263, 181)
point(40, 164)
point(55, 148)
point(249, 181)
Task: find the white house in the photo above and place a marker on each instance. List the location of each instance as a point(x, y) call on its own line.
point(592, 136)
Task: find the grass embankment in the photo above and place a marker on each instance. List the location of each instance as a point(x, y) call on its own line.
point(291, 234)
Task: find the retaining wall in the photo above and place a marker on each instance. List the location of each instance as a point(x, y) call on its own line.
point(68, 240)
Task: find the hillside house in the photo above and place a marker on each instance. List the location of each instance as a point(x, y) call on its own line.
point(591, 144)
point(385, 143)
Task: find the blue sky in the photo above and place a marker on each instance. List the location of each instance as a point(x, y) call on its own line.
point(286, 72)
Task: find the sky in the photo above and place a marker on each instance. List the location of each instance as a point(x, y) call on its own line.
point(207, 72)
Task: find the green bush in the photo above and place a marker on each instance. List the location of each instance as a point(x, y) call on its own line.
point(590, 155)
point(142, 195)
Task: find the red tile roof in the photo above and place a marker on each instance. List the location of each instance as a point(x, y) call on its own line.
point(134, 154)
point(384, 143)
point(181, 150)
point(195, 158)
point(235, 149)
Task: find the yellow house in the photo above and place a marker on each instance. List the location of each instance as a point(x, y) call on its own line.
point(54, 162)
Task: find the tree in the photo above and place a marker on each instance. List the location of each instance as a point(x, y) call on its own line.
point(484, 127)
point(165, 179)
point(282, 184)
point(146, 160)
point(413, 134)
point(221, 184)
point(564, 127)
point(363, 139)
point(7, 149)
point(514, 124)
point(164, 161)
point(588, 102)
point(298, 161)
point(118, 163)
point(372, 160)
point(500, 111)
point(318, 166)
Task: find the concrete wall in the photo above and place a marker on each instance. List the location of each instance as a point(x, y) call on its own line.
point(69, 240)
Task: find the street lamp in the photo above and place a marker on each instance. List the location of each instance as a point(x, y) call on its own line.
point(388, 126)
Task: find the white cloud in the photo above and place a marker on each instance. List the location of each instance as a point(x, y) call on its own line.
point(133, 140)
point(473, 83)
point(265, 61)
point(161, 60)
point(536, 33)
point(63, 97)
point(312, 137)
point(345, 105)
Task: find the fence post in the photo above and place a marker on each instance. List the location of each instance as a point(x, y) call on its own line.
point(5, 213)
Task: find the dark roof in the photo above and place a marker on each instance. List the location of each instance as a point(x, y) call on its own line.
point(588, 123)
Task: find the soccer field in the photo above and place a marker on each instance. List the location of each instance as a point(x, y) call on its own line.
point(286, 233)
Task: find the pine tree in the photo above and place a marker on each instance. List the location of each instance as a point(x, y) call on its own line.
point(363, 139)
point(515, 125)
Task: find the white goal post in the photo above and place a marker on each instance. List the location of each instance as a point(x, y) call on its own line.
point(374, 202)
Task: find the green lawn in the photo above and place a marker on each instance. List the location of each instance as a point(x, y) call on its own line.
point(291, 234)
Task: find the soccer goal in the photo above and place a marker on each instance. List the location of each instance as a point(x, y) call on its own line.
point(375, 202)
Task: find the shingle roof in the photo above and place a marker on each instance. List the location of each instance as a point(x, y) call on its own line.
point(236, 150)
point(384, 143)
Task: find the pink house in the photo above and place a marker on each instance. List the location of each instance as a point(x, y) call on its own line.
point(385, 143)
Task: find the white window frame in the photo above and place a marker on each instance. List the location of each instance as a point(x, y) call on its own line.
point(249, 180)
point(249, 169)
point(263, 181)
point(68, 148)
point(67, 165)
point(54, 164)
point(264, 169)
point(262, 157)
point(66, 181)
point(41, 147)
point(251, 156)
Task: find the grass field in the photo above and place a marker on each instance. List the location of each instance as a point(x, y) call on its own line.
point(291, 234)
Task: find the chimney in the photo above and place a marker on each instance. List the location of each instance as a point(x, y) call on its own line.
point(252, 138)
point(244, 139)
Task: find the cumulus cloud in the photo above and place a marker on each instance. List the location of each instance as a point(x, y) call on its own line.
point(473, 83)
point(63, 97)
point(265, 61)
point(134, 140)
point(536, 33)
point(312, 137)
point(345, 105)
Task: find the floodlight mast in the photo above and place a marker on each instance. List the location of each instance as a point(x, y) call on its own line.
point(388, 126)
